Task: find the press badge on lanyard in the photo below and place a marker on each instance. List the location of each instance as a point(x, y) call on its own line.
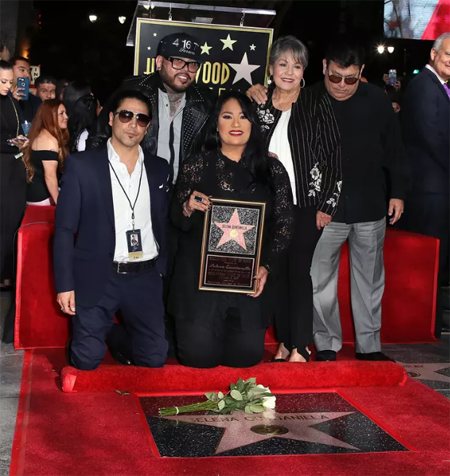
point(134, 243)
point(134, 240)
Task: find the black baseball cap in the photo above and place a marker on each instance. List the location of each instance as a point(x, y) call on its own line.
point(181, 45)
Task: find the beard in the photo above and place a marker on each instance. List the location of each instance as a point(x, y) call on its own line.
point(168, 81)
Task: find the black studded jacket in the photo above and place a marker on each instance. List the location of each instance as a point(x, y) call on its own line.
point(198, 107)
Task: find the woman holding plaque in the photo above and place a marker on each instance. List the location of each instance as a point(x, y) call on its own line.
point(226, 328)
point(299, 127)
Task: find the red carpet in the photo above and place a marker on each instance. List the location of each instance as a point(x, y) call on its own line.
point(87, 433)
point(408, 302)
point(282, 376)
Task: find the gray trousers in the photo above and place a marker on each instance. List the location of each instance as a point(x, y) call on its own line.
point(366, 242)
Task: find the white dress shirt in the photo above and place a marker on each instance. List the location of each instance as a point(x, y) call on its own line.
point(279, 145)
point(434, 71)
point(165, 123)
point(122, 209)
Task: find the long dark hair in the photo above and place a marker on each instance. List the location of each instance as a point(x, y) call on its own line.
point(255, 157)
point(73, 92)
point(46, 118)
point(83, 117)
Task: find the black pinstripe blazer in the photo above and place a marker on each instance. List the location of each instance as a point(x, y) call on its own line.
point(315, 148)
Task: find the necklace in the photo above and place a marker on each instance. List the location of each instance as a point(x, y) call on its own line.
point(15, 112)
point(17, 116)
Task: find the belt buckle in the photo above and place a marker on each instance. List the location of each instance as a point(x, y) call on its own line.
point(118, 269)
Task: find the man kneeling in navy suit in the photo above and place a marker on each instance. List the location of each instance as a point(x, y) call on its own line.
point(110, 240)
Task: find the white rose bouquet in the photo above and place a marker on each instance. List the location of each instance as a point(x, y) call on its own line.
point(243, 395)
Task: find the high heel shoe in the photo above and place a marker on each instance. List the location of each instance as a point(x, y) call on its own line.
point(305, 353)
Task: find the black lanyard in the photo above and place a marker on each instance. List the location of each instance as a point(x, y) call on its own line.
point(137, 195)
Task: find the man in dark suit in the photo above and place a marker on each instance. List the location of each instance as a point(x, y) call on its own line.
point(425, 120)
point(180, 111)
point(114, 200)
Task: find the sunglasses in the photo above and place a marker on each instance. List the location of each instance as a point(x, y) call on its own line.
point(177, 63)
point(125, 116)
point(349, 80)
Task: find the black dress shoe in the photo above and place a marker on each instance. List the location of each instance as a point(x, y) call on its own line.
point(373, 356)
point(119, 358)
point(326, 356)
point(278, 360)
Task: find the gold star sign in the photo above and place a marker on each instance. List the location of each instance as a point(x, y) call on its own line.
point(205, 49)
point(228, 43)
point(252, 47)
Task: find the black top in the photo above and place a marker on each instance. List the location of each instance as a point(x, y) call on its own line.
point(315, 148)
point(9, 124)
point(425, 118)
point(29, 107)
point(371, 144)
point(37, 190)
point(215, 175)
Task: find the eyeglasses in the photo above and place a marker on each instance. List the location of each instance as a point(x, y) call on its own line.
point(349, 80)
point(177, 63)
point(125, 116)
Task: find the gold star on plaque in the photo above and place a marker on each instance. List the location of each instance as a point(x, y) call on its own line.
point(228, 43)
point(205, 49)
point(252, 47)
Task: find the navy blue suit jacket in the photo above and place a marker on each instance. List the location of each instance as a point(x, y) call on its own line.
point(425, 118)
point(85, 210)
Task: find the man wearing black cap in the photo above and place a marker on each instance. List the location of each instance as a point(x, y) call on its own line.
point(179, 107)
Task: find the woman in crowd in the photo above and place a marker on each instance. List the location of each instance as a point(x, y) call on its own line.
point(219, 328)
point(74, 91)
point(299, 127)
point(80, 122)
point(12, 174)
point(44, 158)
point(61, 86)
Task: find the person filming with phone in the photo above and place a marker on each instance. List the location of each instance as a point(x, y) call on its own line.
point(12, 173)
point(28, 103)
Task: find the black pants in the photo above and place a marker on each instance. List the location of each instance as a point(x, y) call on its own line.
point(294, 304)
point(13, 186)
point(139, 297)
point(429, 214)
point(204, 348)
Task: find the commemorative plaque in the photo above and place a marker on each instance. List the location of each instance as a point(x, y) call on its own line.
point(231, 247)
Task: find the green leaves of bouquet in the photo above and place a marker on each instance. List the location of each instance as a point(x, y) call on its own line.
point(243, 395)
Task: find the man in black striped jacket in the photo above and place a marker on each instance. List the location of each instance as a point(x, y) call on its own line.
point(371, 145)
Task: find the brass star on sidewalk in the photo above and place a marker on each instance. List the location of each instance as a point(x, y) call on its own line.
point(205, 49)
point(228, 43)
point(242, 429)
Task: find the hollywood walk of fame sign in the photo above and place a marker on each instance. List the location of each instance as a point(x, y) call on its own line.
point(231, 248)
point(302, 423)
point(232, 57)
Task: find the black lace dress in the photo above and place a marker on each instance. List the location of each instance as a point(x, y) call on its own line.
point(215, 175)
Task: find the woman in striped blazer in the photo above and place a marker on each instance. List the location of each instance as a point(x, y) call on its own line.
point(300, 129)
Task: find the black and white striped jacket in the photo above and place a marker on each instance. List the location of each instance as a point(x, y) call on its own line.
point(315, 148)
